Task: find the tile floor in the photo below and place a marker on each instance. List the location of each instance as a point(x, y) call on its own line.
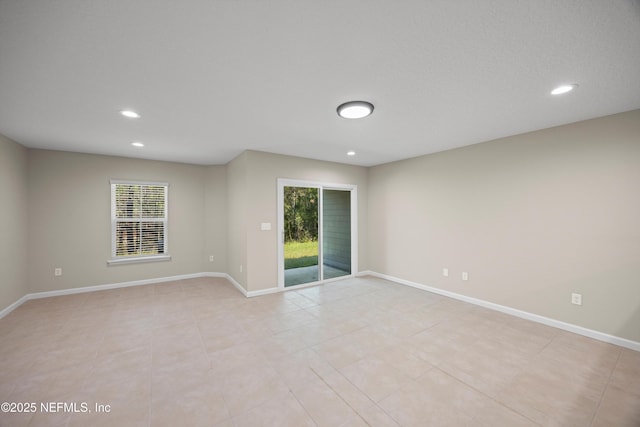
point(357, 352)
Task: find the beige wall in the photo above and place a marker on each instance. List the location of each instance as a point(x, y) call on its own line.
point(531, 218)
point(215, 203)
point(69, 219)
point(237, 196)
point(263, 171)
point(13, 222)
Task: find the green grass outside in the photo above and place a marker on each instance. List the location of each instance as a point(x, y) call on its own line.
point(300, 254)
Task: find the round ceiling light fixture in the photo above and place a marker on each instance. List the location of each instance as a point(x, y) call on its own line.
point(355, 109)
point(130, 114)
point(351, 153)
point(563, 89)
point(137, 144)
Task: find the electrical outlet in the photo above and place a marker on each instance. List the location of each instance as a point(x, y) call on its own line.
point(57, 272)
point(210, 258)
point(465, 275)
point(445, 272)
point(576, 299)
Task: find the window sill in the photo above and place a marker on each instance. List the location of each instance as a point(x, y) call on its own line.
point(139, 260)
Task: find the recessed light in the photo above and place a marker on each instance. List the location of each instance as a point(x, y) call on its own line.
point(137, 144)
point(355, 109)
point(351, 153)
point(563, 89)
point(130, 113)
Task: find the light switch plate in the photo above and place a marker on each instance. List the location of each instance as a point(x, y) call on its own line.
point(265, 226)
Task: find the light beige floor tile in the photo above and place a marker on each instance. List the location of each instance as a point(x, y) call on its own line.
point(548, 397)
point(597, 356)
point(618, 408)
point(528, 329)
point(289, 320)
point(226, 423)
point(169, 380)
point(405, 357)
point(401, 325)
point(21, 419)
point(59, 358)
point(277, 346)
point(124, 340)
point(194, 405)
point(435, 399)
point(121, 393)
point(349, 393)
point(341, 351)
point(167, 356)
point(325, 407)
point(247, 387)
point(52, 385)
point(372, 340)
point(302, 369)
point(375, 377)
point(243, 355)
point(437, 347)
point(516, 338)
point(626, 375)
point(374, 416)
point(280, 411)
point(487, 365)
point(7, 387)
point(120, 367)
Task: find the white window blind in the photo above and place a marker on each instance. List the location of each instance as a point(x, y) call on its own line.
point(138, 219)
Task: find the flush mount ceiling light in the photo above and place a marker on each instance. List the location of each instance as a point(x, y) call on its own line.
point(355, 109)
point(351, 153)
point(137, 144)
point(563, 89)
point(130, 113)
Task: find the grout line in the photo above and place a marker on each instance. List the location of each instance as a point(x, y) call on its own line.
point(300, 403)
point(484, 394)
point(595, 413)
point(340, 396)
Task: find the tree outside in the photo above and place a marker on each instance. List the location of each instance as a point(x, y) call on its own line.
point(300, 227)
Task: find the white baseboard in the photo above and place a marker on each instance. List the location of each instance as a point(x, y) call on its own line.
point(600, 336)
point(233, 281)
point(13, 306)
point(261, 292)
point(112, 286)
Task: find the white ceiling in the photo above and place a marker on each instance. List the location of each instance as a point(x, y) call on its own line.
point(212, 78)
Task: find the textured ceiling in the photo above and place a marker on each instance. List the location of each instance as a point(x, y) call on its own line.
point(212, 78)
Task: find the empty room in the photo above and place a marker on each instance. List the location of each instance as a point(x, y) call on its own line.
point(239, 213)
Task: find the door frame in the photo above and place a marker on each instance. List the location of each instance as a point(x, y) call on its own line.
point(353, 189)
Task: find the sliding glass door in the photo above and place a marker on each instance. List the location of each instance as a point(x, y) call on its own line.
point(336, 233)
point(316, 224)
point(301, 237)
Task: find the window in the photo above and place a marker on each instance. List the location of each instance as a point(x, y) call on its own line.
point(138, 221)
